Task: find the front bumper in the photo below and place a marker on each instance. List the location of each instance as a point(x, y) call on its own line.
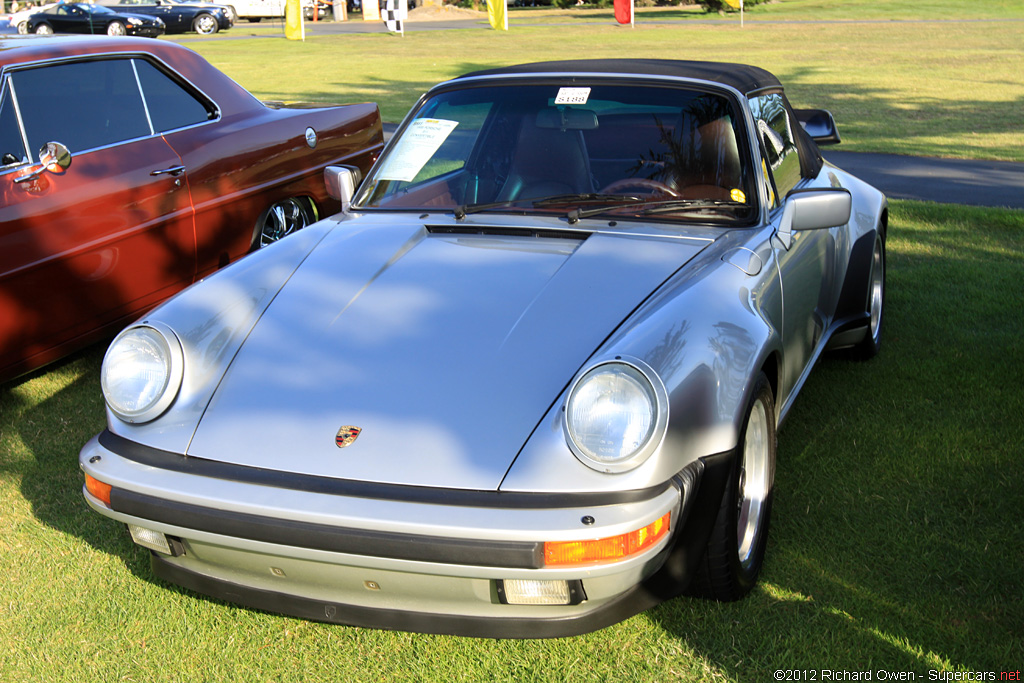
point(407, 558)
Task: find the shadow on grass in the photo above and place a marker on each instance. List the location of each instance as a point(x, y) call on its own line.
point(881, 119)
point(896, 536)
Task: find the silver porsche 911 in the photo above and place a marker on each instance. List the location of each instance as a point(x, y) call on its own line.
point(527, 383)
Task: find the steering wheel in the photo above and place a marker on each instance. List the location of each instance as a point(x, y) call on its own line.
point(647, 183)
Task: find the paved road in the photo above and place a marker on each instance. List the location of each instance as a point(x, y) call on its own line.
point(950, 181)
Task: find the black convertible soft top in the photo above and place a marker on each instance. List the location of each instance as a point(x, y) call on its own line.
point(744, 78)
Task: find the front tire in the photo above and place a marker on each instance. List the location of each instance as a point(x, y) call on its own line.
point(282, 219)
point(116, 28)
point(205, 25)
point(735, 552)
point(44, 30)
point(875, 306)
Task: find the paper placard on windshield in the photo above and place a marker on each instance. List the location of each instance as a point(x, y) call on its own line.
point(572, 96)
point(415, 148)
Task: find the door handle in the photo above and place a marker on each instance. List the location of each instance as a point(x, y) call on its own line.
point(173, 171)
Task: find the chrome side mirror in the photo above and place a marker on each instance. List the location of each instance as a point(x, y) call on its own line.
point(53, 157)
point(814, 209)
point(341, 182)
point(819, 124)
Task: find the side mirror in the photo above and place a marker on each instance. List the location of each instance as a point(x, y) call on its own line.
point(814, 210)
point(53, 157)
point(341, 182)
point(819, 124)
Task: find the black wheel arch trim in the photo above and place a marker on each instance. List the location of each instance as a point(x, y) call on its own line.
point(855, 285)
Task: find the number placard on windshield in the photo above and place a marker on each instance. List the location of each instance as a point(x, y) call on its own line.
point(417, 145)
point(572, 96)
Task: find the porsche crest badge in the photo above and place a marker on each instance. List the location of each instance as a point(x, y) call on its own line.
point(347, 435)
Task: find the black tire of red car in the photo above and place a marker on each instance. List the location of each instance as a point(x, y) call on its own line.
point(875, 306)
point(44, 30)
point(116, 28)
point(735, 552)
point(206, 24)
point(282, 219)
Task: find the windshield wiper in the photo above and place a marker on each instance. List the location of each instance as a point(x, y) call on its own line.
point(584, 197)
point(670, 205)
point(656, 206)
point(463, 210)
point(553, 200)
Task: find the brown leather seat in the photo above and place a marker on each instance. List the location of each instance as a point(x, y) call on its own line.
point(547, 161)
point(716, 169)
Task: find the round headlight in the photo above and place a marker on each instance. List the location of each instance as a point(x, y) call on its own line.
point(615, 416)
point(142, 372)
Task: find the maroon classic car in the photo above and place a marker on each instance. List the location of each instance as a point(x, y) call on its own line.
point(129, 169)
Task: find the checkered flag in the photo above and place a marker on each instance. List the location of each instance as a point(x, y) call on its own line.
point(393, 14)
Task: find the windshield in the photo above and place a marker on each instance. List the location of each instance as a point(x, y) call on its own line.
point(624, 150)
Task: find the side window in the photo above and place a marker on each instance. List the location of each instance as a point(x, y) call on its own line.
point(84, 105)
point(12, 146)
point(782, 161)
point(170, 105)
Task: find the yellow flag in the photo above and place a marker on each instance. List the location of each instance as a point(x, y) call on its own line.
point(735, 4)
point(497, 14)
point(293, 28)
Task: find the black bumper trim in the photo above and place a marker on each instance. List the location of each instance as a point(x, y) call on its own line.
point(400, 546)
point(175, 462)
point(631, 602)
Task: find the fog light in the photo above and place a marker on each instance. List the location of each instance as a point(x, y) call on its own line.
point(535, 592)
point(147, 538)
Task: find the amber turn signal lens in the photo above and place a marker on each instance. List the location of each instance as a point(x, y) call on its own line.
point(98, 489)
point(611, 549)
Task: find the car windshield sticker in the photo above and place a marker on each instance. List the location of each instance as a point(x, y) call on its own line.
point(738, 196)
point(572, 96)
point(415, 148)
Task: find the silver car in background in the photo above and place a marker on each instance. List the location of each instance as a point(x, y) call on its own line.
point(527, 383)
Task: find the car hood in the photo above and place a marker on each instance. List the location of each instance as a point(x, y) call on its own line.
point(445, 350)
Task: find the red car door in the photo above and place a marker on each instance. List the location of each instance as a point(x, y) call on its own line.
point(85, 250)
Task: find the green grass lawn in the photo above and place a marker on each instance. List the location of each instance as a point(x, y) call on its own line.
point(897, 539)
point(896, 543)
point(907, 78)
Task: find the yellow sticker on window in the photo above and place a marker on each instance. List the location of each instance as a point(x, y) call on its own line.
point(738, 196)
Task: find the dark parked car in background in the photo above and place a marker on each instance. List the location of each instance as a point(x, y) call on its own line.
point(178, 17)
point(81, 17)
point(156, 169)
